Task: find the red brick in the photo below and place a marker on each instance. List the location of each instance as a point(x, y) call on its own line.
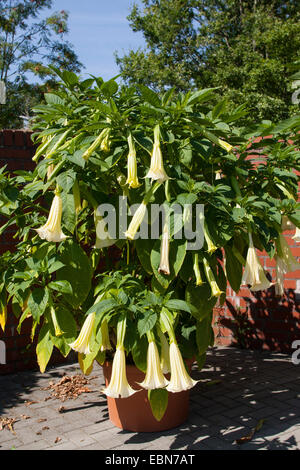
point(8, 137)
point(289, 284)
point(20, 138)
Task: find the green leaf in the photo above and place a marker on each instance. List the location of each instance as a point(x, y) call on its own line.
point(200, 299)
point(44, 347)
point(63, 286)
point(158, 399)
point(52, 98)
point(201, 359)
point(200, 95)
point(37, 302)
point(234, 269)
point(147, 323)
point(77, 271)
point(109, 88)
point(139, 353)
point(203, 334)
point(176, 304)
point(150, 96)
point(69, 212)
point(68, 326)
point(66, 180)
point(102, 307)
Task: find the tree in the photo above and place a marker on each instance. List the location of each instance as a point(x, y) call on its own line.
point(244, 47)
point(29, 44)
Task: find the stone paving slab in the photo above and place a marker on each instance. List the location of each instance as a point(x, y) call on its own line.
point(254, 385)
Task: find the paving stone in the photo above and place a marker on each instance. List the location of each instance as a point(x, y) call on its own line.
point(254, 385)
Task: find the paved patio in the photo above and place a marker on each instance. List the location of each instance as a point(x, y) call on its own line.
point(254, 386)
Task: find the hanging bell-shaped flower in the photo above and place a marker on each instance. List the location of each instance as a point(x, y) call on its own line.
point(51, 230)
point(296, 237)
point(81, 344)
point(105, 342)
point(164, 266)
point(157, 171)
point(180, 379)
point(118, 386)
point(136, 221)
point(132, 178)
point(154, 375)
point(280, 271)
point(254, 273)
point(284, 252)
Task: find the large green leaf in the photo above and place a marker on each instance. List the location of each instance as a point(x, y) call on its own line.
point(68, 326)
point(37, 302)
point(204, 334)
point(139, 353)
point(69, 212)
point(77, 271)
point(44, 347)
point(201, 300)
point(234, 269)
point(158, 399)
point(147, 323)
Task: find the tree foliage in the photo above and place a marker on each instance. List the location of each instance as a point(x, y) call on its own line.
point(245, 47)
point(30, 44)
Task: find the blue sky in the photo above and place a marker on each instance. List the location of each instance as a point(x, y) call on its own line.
point(98, 28)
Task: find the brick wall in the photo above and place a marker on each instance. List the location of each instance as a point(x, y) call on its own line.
point(260, 320)
point(16, 151)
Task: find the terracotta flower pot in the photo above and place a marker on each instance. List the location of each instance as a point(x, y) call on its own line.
point(134, 413)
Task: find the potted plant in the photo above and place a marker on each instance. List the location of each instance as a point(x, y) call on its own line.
point(142, 292)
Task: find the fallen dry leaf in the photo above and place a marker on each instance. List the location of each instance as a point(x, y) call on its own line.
point(25, 417)
point(61, 409)
point(8, 423)
point(28, 403)
point(248, 438)
point(58, 439)
point(69, 387)
point(41, 420)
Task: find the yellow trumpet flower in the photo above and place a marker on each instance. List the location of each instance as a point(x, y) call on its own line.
point(165, 353)
point(254, 273)
point(136, 221)
point(103, 237)
point(51, 230)
point(105, 343)
point(284, 252)
point(280, 271)
point(196, 269)
point(132, 178)
point(164, 266)
point(296, 237)
point(118, 386)
point(286, 224)
point(157, 171)
point(154, 376)
point(211, 247)
point(215, 290)
point(180, 379)
point(81, 344)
